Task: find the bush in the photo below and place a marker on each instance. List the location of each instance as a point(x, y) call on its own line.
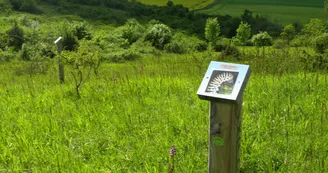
point(7, 55)
point(132, 31)
point(159, 35)
point(15, 37)
point(175, 47)
point(262, 39)
point(81, 30)
point(321, 43)
point(280, 44)
point(230, 50)
point(125, 55)
point(25, 5)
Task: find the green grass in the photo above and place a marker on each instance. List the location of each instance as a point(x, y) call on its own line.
point(302, 3)
point(192, 4)
point(284, 12)
point(127, 119)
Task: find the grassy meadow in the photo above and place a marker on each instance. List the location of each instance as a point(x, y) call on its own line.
point(284, 12)
point(192, 4)
point(130, 114)
point(142, 100)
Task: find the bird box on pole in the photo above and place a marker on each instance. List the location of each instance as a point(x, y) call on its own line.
point(223, 85)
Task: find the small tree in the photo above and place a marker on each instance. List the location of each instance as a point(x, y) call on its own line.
point(243, 32)
point(314, 28)
point(288, 33)
point(83, 61)
point(15, 37)
point(321, 43)
point(212, 31)
point(262, 39)
point(159, 35)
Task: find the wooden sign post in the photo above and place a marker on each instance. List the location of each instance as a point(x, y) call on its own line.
point(223, 85)
point(59, 44)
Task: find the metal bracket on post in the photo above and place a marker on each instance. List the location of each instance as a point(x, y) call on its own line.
point(223, 85)
point(59, 44)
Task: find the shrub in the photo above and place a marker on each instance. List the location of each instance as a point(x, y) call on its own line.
point(25, 5)
point(7, 55)
point(132, 31)
point(81, 30)
point(230, 50)
point(69, 40)
point(159, 35)
point(280, 44)
point(15, 37)
point(321, 43)
point(262, 39)
point(125, 55)
point(175, 47)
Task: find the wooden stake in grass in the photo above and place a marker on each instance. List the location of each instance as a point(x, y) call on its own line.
point(173, 151)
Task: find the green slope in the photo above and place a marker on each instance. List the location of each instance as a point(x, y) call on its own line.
point(282, 11)
point(301, 3)
point(192, 4)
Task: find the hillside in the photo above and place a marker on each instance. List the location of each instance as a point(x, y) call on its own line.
point(191, 4)
point(284, 12)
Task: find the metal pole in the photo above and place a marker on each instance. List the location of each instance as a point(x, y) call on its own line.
point(224, 137)
point(59, 44)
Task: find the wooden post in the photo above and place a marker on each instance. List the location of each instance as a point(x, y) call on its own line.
point(59, 44)
point(224, 137)
point(223, 85)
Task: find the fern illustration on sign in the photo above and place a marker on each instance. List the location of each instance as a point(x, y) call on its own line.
point(221, 82)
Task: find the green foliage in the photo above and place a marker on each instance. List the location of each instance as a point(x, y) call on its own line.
point(262, 39)
point(288, 33)
point(212, 30)
point(83, 61)
point(182, 43)
point(314, 28)
point(69, 38)
point(280, 44)
point(15, 37)
point(81, 30)
point(230, 51)
point(132, 31)
point(321, 43)
point(25, 5)
point(243, 32)
point(159, 35)
point(326, 5)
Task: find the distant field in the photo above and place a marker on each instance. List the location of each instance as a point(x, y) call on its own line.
point(284, 14)
point(192, 4)
point(302, 3)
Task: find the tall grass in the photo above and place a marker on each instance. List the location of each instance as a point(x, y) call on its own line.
point(130, 115)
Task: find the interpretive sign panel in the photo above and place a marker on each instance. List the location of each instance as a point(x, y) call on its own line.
point(224, 82)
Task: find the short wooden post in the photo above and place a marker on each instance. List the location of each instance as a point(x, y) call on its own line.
point(223, 85)
point(59, 44)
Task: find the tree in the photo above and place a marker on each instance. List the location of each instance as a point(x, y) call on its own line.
point(262, 39)
point(288, 33)
point(243, 32)
point(83, 61)
point(15, 37)
point(314, 28)
point(326, 5)
point(212, 30)
point(159, 35)
point(321, 43)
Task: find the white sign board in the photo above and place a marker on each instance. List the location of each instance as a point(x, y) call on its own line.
point(224, 82)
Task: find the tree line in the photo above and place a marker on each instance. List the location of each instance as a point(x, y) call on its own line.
point(175, 16)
